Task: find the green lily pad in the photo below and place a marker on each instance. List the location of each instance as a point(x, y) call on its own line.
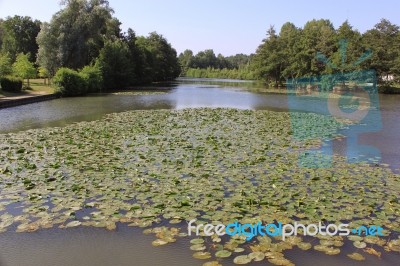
point(223, 253)
point(356, 256)
point(201, 255)
point(242, 259)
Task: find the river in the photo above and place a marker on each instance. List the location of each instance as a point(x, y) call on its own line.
point(129, 246)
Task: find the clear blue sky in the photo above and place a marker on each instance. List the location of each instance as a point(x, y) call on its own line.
point(227, 26)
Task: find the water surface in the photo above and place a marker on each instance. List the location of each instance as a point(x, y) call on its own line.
point(128, 246)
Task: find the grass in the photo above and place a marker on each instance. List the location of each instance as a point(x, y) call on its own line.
point(37, 86)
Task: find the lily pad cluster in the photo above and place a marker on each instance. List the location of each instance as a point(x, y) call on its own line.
point(153, 167)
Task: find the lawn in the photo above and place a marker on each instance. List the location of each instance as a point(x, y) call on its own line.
point(37, 86)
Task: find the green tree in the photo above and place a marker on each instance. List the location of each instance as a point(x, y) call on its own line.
point(19, 36)
point(115, 65)
point(289, 41)
point(48, 55)
point(160, 57)
point(383, 41)
point(44, 74)
point(76, 34)
point(5, 65)
point(318, 38)
point(1, 33)
point(185, 60)
point(268, 61)
point(23, 68)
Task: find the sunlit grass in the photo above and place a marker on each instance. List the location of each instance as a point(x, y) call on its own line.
point(37, 86)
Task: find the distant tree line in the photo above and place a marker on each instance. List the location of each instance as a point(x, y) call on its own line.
point(205, 64)
point(84, 39)
point(305, 52)
point(315, 50)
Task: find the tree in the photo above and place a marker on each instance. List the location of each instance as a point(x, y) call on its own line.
point(185, 60)
point(160, 56)
point(268, 60)
point(23, 68)
point(19, 36)
point(318, 38)
point(48, 56)
point(44, 74)
point(348, 48)
point(383, 42)
point(5, 65)
point(289, 40)
point(115, 65)
point(76, 34)
point(1, 33)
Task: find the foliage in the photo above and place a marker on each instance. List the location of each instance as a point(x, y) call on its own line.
point(69, 82)
point(11, 84)
point(93, 77)
point(76, 34)
point(24, 68)
point(318, 49)
point(220, 73)
point(19, 36)
point(161, 57)
point(5, 64)
point(115, 65)
point(207, 59)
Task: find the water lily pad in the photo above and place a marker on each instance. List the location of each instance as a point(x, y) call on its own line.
point(356, 256)
point(359, 244)
point(202, 255)
point(304, 245)
point(198, 247)
point(197, 241)
point(223, 253)
point(73, 224)
point(159, 242)
point(257, 256)
point(212, 263)
point(242, 259)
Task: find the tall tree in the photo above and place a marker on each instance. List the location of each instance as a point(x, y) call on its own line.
point(76, 34)
point(318, 38)
point(163, 60)
point(19, 36)
point(383, 41)
point(268, 60)
point(5, 65)
point(185, 60)
point(289, 40)
point(115, 64)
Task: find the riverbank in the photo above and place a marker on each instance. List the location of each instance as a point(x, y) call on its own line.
point(38, 92)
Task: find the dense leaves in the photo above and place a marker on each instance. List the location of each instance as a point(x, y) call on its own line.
point(18, 35)
point(10, 83)
point(69, 82)
point(318, 48)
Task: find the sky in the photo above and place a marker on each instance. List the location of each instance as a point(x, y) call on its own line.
point(226, 26)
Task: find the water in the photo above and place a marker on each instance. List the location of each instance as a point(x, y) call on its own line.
point(128, 246)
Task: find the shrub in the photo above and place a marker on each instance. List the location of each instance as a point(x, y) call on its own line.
point(69, 82)
point(12, 84)
point(93, 77)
